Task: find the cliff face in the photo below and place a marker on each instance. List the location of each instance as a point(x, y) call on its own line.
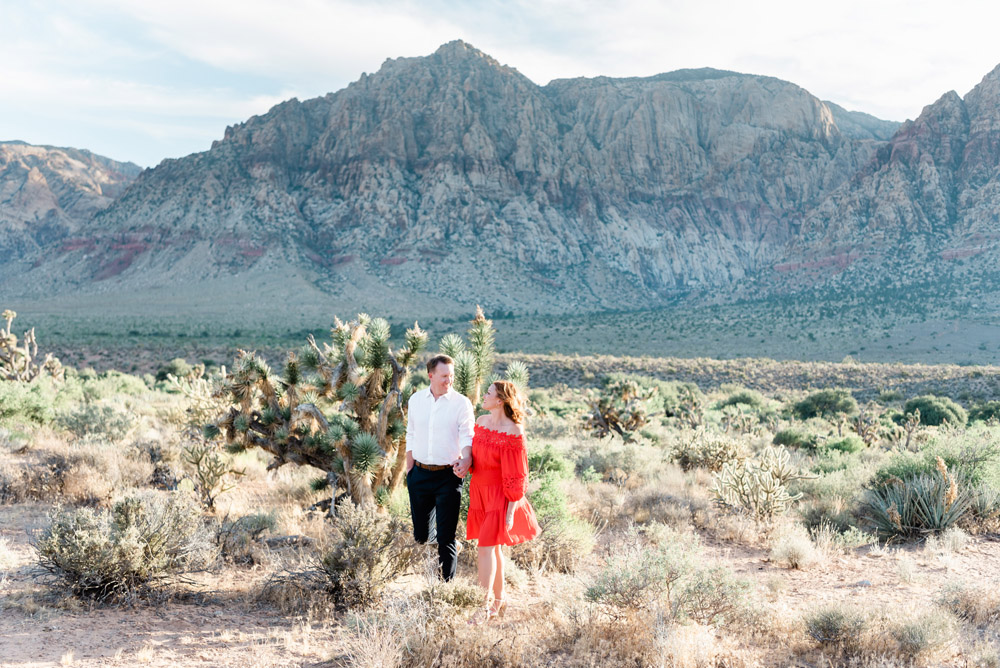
point(456, 178)
point(929, 196)
point(46, 192)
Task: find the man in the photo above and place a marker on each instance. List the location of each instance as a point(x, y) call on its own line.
point(438, 455)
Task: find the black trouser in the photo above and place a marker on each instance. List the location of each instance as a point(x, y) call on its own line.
point(435, 500)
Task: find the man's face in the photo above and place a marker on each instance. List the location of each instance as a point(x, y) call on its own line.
point(442, 378)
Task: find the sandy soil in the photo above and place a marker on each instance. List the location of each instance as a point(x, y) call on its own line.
point(220, 625)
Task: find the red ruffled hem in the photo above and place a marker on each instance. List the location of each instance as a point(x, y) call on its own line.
point(489, 529)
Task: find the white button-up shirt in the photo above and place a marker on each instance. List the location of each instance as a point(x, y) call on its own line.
point(438, 429)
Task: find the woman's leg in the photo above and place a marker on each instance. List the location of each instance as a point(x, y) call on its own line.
point(498, 579)
point(487, 568)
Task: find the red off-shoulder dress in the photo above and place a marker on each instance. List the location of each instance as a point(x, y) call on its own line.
point(499, 476)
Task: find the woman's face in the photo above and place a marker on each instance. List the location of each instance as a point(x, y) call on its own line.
point(491, 400)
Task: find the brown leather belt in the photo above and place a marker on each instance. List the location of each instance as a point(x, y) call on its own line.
point(432, 467)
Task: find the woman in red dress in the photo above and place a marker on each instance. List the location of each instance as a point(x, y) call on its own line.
point(498, 512)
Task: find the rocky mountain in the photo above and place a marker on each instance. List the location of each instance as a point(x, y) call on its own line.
point(455, 179)
point(927, 201)
point(47, 193)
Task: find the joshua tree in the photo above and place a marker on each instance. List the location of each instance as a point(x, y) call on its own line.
point(474, 361)
point(346, 418)
point(17, 362)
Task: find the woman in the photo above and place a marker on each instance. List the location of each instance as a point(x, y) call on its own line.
point(498, 512)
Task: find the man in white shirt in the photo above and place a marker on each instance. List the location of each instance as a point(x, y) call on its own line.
point(439, 428)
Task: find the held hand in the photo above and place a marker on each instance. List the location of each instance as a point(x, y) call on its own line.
point(461, 466)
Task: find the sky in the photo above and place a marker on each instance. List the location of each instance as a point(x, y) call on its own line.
point(148, 80)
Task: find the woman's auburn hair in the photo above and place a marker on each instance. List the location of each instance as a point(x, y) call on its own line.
point(513, 402)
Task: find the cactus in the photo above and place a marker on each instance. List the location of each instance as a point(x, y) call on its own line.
point(341, 409)
point(757, 487)
point(17, 362)
point(620, 408)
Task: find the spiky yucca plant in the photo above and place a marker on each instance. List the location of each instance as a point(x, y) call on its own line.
point(17, 361)
point(341, 409)
point(474, 360)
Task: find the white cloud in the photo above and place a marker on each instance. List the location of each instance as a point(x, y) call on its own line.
point(206, 63)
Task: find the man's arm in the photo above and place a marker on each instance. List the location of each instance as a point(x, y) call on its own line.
point(466, 425)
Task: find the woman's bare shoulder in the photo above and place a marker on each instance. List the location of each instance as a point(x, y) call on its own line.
point(481, 420)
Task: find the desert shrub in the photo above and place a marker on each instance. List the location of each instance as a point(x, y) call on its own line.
point(976, 457)
point(118, 554)
point(793, 548)
point(748, 398)
point(709, 453)
point(637, 575)
point(27, 402)
point(711, 595)
point(795, 438)
point(837, 626)
point(847, 444)
point(917, 505)
point(565, 539)
point(177, 367)
point(978, 605)
point(826, 404)
point(679, 397)
point(603, 458)
point(237, 539)
point(213, 473)
point(890, 396)
point(935, 410)
point(831, 539)
point(549, 461)
point(369, 550)
point(918, 637)
point(985, 412)
point(93, 419)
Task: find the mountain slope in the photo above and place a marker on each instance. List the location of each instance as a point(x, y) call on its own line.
point(46, 192)
point(455, 179)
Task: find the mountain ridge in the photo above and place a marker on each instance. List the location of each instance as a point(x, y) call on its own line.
point(601, 192)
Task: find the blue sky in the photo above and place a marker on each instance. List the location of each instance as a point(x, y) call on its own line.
point(147, 80)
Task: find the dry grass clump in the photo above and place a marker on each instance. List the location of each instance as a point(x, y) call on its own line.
point(238, 539)
point(849, 632)
point(978, 605)
point(119, 554)
point(792, 547)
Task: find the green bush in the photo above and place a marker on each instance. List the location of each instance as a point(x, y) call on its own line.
point(826, 404)
point(836, 626)
point(890, 396)
point(27, 402)
point(711, 596)
point(636, 576)
point(750, 399)
point(850, 444)
point(549, 460)
point(935, 411)
point(977, 460)
point(369, 550)
point(90, 419)
point(177, 367)
point(113, 556)
point(565, 540)
point(984, 412)
point(795, 438)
